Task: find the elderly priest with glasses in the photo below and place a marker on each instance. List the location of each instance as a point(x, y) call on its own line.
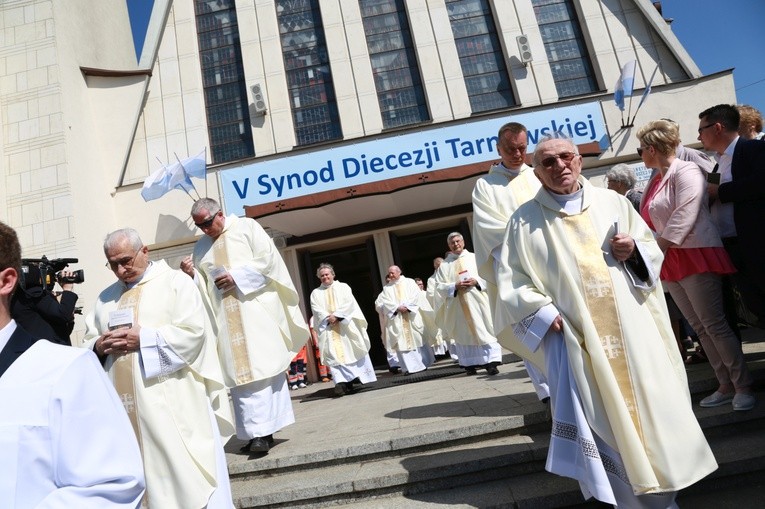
point(150, 330)
point(579, 280)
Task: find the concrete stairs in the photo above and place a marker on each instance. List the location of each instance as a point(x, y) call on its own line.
point(496, 462)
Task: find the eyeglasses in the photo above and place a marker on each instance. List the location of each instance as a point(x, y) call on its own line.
point(549, 162)
point(207, 222)
point(705, 126)
point(124, 262)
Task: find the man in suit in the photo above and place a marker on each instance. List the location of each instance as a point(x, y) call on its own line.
point(738, 199)
point(67, 441)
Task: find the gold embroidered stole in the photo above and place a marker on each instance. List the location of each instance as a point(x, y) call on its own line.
point(234, 324)
point(462, 298)
point(406, 324)
point(601, 303)
point(334, 329)
point(124, 371)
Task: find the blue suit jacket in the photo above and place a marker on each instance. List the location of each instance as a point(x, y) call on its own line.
point(19, 343)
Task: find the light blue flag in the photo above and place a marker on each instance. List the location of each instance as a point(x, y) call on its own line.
point(196, 166)
point(625, 84)
point(164, 180)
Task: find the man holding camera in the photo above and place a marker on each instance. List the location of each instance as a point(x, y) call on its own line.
point(39, 311)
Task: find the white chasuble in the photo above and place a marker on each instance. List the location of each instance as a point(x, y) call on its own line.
point(621, 349)
point(259, 325)
point(463, 315)
point(346, 341)
point(172, 407)
point(403, 331)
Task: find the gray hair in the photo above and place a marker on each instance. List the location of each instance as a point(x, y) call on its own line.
point(116, 236)
point(550, 137)
point(208, 204)
point(325, 266)
point(452, 235)
point(623, 174)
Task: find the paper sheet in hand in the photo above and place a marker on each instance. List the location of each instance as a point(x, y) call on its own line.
point(121, 319)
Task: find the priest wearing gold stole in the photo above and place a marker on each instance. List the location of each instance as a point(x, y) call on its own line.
point(399, 305)
point(342, 332)
point(579, 280)
point(151, 331)
point(496, 195)
point(254, 307)
point(462, 309)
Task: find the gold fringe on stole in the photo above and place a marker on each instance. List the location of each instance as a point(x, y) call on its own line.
point(462, 298)
point(405, 322)
point(124, 379)
point(601, 303)
point(333, 330)
point(234, 324)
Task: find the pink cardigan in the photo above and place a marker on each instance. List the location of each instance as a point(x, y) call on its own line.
point(679, 209)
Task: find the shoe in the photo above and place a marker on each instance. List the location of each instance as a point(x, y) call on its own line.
point(302, 385)
point(325, 379)
point(340, 389)
point(259, 444)
point(697, 358)
point(470, 371)
point(293, 387)
point(492, 370)
point(717, 399)
point(394, 370)
point(743, 401)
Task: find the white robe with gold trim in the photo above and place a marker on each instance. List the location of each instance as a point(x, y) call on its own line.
point(347, 342)
point(466, 315)
point(631, 385)
point(273, 328)
point(177, 381)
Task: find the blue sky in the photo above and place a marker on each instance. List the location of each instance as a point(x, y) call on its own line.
point(724, 34)
point(718, 34)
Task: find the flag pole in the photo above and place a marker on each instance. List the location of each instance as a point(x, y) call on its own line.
point(186, 173)
point(645, 92)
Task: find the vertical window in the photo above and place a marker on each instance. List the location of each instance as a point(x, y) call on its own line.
point(394, 64)
point(228, 117)
point(481, 57)
point(565, 47)
point(309, 79)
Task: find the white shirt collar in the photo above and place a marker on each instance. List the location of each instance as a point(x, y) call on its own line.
point(6, 333)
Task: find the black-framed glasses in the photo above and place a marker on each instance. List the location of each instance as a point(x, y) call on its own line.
point(124, 262)
point(705, 126)
point(206, 223)
point(549, 162)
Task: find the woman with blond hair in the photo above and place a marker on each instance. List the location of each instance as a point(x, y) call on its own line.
point(675, 207)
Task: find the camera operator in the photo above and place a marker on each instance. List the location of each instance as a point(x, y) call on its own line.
point(39, 310)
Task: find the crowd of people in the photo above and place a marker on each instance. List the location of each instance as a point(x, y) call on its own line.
point(569, 276)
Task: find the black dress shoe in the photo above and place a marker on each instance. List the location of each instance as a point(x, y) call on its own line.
point(340, 389)
point(492, 370)
point(259, 444)
point(270, 440)
point(470, 371)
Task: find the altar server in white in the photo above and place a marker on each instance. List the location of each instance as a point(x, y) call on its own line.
point(579, 279)
point(399, 304)
point(150, 328)
point(342, 332)
point(462, 309)
point(254, 306)
point(66, 440)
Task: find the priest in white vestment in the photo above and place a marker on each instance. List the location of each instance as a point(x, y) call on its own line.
point(399, 304)
point(444, 342)
point(579, 280)
point(151, 330)
point(496, 195)
point(462, 309)
point(254, 307)
point(431, 334)
point(66, 440)
point(342, 332)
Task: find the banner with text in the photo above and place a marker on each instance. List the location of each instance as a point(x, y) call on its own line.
point(406, 154)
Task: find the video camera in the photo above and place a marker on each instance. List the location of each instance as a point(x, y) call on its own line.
point(45, 273)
